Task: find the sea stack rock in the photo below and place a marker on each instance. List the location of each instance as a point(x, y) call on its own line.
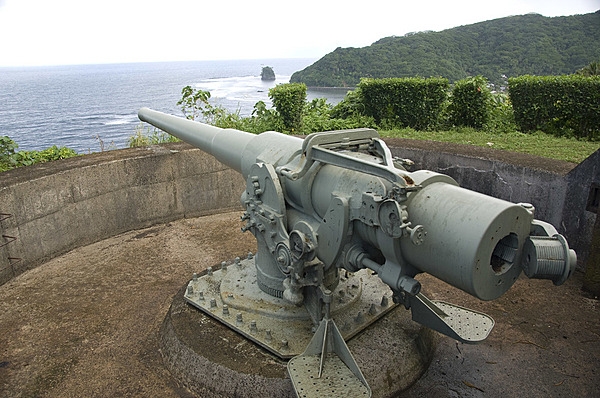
point(267, 73)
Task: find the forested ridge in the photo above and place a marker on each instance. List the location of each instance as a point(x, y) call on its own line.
point(496, 49)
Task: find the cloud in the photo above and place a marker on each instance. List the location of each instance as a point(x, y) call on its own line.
point(42, 32)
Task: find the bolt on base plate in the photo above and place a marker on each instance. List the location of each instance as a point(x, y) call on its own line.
point(232, 296)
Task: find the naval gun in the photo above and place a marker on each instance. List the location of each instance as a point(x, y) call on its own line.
point(340, 224)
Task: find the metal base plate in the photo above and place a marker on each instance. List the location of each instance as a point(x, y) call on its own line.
point(232, 296)
point(462, 324)
point(337, 379)
point(470, 325)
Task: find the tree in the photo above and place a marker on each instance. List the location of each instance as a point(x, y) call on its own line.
point(193, 102)
point(592, 69)
point(511, 46)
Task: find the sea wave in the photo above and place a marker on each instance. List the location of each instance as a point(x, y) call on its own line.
point(122, 119)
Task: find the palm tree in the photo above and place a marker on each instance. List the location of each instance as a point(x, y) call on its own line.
point(592, 69)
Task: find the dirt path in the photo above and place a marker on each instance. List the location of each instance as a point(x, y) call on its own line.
point(86, 324)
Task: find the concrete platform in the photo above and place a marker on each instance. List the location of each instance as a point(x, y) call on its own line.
point(88, 323)
point(212, 360)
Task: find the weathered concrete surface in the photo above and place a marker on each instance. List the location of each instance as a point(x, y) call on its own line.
point(392, 354)
point(591, 282)
point(86, 324)
point(577, 217)
point(546, 343)
point(58, 206)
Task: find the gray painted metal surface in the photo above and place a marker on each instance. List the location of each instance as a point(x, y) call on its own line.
point(462, 324)
point(338, 380)
point(231, 295)
point(339, 202)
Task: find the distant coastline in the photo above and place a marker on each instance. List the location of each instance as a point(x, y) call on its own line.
point(86, 106)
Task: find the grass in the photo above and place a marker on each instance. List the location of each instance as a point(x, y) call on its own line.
point(538, 143)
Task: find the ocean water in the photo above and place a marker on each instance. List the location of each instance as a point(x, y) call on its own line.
point(94, 107)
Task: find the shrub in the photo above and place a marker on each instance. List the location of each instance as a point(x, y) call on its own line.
point(154, 137)
point(502, 118)
point(262, 119)
point(470, 103)
point(559, 105)
point(352, 105)
point(408, 102)
point(318, 116)
point(193, 102)
point(10, 158)
point(289, 100)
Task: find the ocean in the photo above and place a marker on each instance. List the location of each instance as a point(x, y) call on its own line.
point(91, 108)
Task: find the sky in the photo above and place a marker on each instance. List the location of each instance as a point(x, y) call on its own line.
point(64, 32)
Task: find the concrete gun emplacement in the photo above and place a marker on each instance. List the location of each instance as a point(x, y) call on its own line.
point(336, 208)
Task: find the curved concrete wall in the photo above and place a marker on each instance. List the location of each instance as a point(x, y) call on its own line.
point(52, 208)
point(49, 209)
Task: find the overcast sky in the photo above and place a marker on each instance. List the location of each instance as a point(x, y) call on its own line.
point(56, 32)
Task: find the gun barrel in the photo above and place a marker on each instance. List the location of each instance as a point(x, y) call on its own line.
point(480, 239)
point(224, 144)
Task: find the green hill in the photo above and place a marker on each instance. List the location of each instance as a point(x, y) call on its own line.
point(511, 46)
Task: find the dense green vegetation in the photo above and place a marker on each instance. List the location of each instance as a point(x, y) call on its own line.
point(561, 105)
point(11, 157)
point(506, 47)
point(409, 102)
point(470, 105)
point(490, 122)
point(289, 100)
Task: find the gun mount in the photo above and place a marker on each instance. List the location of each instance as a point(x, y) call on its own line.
point(340, 223)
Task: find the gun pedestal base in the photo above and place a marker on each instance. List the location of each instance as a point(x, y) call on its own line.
point(232, 296)
point(212, 360)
